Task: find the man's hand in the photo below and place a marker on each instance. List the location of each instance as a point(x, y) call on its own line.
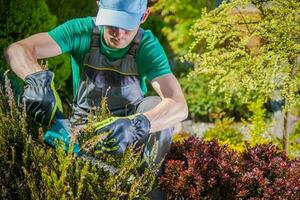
point(60, 131)
point(40, 97)
point(123, 131)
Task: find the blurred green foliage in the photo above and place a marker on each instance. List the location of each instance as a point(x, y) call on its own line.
point(258, 126)
point(178, 17)
point(206, 104)
point(294, 142)
point(226, 134)
point(67, 9)
point(255, 131)
point(294, 148)
point(21, 19)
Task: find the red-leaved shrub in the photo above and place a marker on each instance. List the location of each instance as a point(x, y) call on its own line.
point(268, 174)
point(197, 169)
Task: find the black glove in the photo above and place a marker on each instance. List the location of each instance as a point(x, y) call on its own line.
point(40, 97)
point(124, 131)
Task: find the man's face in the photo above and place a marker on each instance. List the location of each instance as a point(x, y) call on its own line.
point(117, 37)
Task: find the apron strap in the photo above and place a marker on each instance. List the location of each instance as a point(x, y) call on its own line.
point(136, 41)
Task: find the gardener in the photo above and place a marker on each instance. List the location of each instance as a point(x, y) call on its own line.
point(113, 57)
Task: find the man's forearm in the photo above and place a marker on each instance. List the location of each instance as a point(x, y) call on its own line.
point(166, 114)
point(23, 55)
point(22, 60)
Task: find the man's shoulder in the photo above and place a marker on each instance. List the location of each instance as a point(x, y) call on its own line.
point(73, 34)
point(148, 43)
point(148, 37)
point(151, 57)
point(82, 20)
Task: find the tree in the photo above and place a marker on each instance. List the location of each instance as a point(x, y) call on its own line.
point(248, 51)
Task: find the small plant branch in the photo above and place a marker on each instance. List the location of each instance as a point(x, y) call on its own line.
point(245, 22)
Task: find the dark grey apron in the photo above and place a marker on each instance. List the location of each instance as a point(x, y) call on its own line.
point(117, 80)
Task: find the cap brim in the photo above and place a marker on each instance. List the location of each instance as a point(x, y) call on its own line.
point(119, 19)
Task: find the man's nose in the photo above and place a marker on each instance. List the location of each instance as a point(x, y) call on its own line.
point(118, 31)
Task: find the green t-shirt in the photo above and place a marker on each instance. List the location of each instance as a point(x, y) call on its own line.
point(74, 37)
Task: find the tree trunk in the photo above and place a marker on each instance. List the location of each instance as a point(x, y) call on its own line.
point(285, 139)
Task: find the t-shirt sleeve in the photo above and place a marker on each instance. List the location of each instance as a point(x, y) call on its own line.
point(67, 35)
point(154, 60)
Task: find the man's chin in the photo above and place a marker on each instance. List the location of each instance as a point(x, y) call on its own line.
point(117, 45)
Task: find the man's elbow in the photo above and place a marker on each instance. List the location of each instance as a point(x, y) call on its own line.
point(184, 111)
point(10, 51)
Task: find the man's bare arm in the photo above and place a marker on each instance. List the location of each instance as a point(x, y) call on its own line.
point(23, 55)
point(172, 109)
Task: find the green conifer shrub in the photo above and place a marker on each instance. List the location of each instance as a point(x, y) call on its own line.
point(29, 169)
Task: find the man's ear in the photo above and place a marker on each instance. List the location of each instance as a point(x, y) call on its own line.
point(146, 15)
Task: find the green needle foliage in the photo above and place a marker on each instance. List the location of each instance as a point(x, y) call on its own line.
point(29, 169)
